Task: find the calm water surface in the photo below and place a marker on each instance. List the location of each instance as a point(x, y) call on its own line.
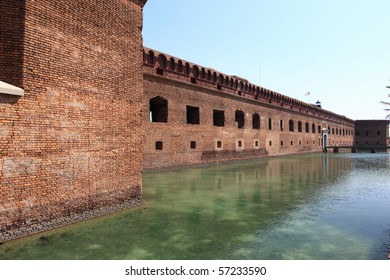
point(298, 207)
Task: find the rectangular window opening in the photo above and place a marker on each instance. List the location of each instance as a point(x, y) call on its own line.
point(193, 145)
point(218, 118)
point(193, 115)
point(159, 145)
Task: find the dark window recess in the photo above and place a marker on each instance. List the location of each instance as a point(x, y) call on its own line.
point(239, 144)
point(219, 87)
point(160, 71)
point(193, 145)
point(270, 124)
point(281, 125)
point(291, 125)
point(270, 143)
point(158, 107)
point(239, 92)
point(159, 145)
point(307, 127)
point(218, 118)
point(193, 115)
point(299, 126)
point(256, 143)
point(256, 121)
point(240, 119)
point(193, 80)
point(281, 143)
point(292, 143)
point(219, 144)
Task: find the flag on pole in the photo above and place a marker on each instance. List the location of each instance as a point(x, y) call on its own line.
point(307, 94)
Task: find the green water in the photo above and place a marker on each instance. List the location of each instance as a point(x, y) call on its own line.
point(298, 207)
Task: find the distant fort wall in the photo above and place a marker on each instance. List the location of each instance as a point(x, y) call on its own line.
point(71, 146)
point(195, 115)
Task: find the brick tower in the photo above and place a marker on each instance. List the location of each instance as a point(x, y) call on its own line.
point(70, 147)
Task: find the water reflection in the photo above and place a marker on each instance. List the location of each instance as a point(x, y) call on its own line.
point(298, 207)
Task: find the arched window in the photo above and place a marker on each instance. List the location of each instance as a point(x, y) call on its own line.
point(162, 61)
point(299, 126)
point(195, 71)
point(187, 69)
point(227, 81)
point(307, 127)
point(180, 66)
point(172, 64)
point(220, 79)
point(291, 125)
point(158, 109)
point(151, 57)
point(313, 128)
point(203, 74)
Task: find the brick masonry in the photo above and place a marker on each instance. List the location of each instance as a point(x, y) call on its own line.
point(74, 146)
point(71, 146)
point(175, 142)
point(371, 133)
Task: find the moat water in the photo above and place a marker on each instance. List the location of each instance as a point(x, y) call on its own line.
point(334, 206)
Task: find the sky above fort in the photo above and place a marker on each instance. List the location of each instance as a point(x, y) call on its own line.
point(338, 50)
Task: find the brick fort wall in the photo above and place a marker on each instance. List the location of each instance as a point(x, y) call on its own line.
point(195, 115)
point(71, 146)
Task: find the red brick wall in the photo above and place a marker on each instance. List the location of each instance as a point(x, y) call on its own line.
point(176, 135)
point(371, 133)
point(71, 146)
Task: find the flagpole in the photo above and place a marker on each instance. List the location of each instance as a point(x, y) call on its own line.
point(308, 94)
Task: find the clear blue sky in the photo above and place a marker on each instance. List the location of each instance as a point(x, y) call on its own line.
point(338, 50)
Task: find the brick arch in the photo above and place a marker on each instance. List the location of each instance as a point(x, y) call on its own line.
point(220, 79)
point(208, 78)
point(214, 77)
point(180, 66)
point(172, 64)
point(187, 68)
point(162, 61)
point(151, 58)
point(203, 73)
point(195, 71)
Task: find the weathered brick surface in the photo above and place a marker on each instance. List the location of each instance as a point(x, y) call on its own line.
point(371, 133)
point(72, 143)
point(167, 77)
